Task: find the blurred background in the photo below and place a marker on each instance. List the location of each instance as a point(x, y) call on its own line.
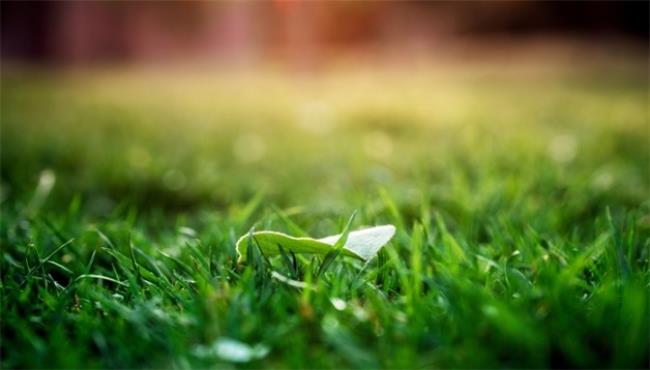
point(305, 32)
point(199, 104)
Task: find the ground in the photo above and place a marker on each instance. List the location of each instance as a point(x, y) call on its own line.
point(520, 197)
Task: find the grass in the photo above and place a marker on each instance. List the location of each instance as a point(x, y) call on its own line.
point(520, 200)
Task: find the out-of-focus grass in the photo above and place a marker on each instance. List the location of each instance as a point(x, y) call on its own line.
point(520, 197)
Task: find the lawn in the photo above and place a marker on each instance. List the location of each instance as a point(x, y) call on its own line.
point(520, 197)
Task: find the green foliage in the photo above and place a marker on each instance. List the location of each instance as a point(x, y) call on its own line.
point(521, 208)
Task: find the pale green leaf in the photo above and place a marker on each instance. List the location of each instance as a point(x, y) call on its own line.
point(363, 244)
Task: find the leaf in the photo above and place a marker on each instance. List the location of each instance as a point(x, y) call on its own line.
point(338, 247)
point(363, 244)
